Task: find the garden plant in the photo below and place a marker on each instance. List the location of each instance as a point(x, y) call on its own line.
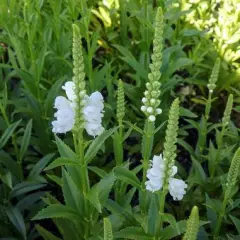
point(119, 119)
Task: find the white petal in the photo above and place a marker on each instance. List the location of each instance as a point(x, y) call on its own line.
point(174, 171)
point(69, 89)
point(94, 129)
point(61, 102)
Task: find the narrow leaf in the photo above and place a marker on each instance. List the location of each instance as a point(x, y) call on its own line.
point(127, 176)
point(26, 139)
point(8, 133)
point(57, 211)
point(46, 234)
point(97, 144)
point(62, 162)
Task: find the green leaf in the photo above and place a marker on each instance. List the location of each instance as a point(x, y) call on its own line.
point(185, 145)
point(122, 211)
point(40, 165)
point(127, 176)
point(28, 81)
point(25, 187)
point(97, 144)
point(10, 164)
point(236, 222)
point(184, 112)
point(153, 216)
point(199, 170)
point(211, 213)
point(64, 150)
point(107, 229)
point(26, 139)
point(72, 195)
point(62, 162)
point(46, 234)
point(172, 231)
point(159, 127)
point(133, 126)
point(57, 211)
point(67, 152)
point(17, 220)
point(55, 179)
point(8, 133)
point(133, 233)
point(98, 194)
point(100, 172)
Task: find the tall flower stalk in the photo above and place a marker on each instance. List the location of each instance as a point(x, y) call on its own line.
point(151, 95)
point(225, 123)
point(169, 152)
point(162, 169)
point(78, 112)
point(118, 139)
point(230, 184)
point(211, 87)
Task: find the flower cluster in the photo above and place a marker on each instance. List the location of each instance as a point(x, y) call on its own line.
point(92, 111)
point(156, 175)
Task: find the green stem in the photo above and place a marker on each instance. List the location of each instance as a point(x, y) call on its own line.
point(120, 189)
point(161, 208)
point(79, 148)
point(147, 149)
point(208, 106)
point(215, 164)
point(221, 215)
point(203, 133)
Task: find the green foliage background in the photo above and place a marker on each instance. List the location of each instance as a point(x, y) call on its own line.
point(36, 59)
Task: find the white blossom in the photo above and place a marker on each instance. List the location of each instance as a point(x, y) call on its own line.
point(177, 188)
point(93, 113)
point(156, 175)
point(64, 116)
point(66, 107)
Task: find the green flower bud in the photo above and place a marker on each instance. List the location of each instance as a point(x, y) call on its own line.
point(169, 154)
point(120, 102)
point(234, 169)
point(214, 76)
point(192, 225)
point(79, 76)
point(228, 110)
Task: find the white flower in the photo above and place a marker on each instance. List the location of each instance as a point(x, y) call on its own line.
point(177, 188)
point(155, 177)
point(92, 111)
point(65, 116)
point(155, 174)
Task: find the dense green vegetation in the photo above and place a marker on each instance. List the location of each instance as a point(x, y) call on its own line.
point(179, 65)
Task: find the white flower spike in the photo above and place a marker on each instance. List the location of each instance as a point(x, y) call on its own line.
point(65, 115)
point(155, 177)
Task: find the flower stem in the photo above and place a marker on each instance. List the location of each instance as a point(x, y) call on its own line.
point(161, 207)
point(79, 148)
point(221, 215)
point(146, 152)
